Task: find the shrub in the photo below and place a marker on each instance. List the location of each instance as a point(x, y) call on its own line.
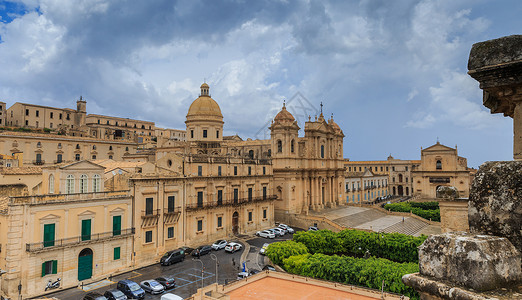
point(426, 210)
point(278, 251)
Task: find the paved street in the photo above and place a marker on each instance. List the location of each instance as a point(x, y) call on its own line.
point(188, 272)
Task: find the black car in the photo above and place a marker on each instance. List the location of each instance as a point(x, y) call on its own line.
point(202, 250)
point(167, 281)
point(172, 257)
point(269, 268)
point(187, 250)
point(94, 296)
point(115, 294)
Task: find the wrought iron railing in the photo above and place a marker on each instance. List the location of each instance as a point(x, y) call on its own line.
point(153, 213)
point(229, 202)
point(54, 244)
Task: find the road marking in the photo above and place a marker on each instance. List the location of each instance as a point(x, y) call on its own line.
point(139, 274)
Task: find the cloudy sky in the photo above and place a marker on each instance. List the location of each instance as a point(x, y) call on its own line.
point(393, 73)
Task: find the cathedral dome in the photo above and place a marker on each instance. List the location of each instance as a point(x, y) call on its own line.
point(204, 105)
point(284, 116)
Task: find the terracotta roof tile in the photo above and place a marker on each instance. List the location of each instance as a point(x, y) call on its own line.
point(21, 170)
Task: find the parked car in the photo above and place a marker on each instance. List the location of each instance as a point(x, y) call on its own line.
point(233, 247)
point(115, 294)
point(279, 231)
point(312, 228)
point(276, 234)
point(168, 282)
point(263, 249)
point(170, 296)
point(186, 250)
point(269, 268)
point(242, 275)
point(131, 289)
point(201, 250)
point(265, 234)
point(152, 286)
point(219, 244)
point(252, 272)
point(94, 296)
point(172, 257)
point(287, 228)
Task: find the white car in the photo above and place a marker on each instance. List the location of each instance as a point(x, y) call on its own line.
point(313, 228)
point(266, 234)
point(242, 275)
point(220, 244)
point(287, 228)
point(279, 231)
point(152, 286)
point(233, 247)
point(263, 249)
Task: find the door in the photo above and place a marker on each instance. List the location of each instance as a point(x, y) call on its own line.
point(116, 225)
point(48, 235)
point(85, 264)
point(86, 230)
point(400, 190)
point(235, 223)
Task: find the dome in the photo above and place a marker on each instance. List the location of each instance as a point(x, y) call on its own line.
point(204, 105)
point(284, 116)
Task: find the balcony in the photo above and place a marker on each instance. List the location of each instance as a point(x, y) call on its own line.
point(171, 216)
point(230, 202)
point(77, 240)
point(154, 213)
point(38, 162)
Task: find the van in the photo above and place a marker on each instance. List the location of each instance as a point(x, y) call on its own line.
point(131, 289)
point(172, 257)
point(170, 296)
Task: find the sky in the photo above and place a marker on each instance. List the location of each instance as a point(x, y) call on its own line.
point(392, 73)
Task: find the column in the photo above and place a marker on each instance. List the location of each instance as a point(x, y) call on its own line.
point(517, 131)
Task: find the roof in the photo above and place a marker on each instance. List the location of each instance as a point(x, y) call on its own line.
point(110, 164)
point(119, 118)
point(21, 170)
point(60, 137)
point(204, 106)
point(284, 116)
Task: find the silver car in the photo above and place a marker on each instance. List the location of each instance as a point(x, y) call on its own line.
point(152, 286)
point(220, 244)
point(266, 234)
point(287, 228)
point(279, 231)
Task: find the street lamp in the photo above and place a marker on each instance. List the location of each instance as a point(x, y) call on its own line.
point(214, 257)
point(201, 270)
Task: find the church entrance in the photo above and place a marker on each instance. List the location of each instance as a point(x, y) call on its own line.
point(235, 223)
point(400, 190)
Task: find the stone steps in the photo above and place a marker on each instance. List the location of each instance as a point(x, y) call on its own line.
point(410, 226)
point(354, 220)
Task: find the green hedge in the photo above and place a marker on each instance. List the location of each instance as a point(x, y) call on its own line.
point(416, 208)
point(358, 271)
point(278, 251)
point(393, 246)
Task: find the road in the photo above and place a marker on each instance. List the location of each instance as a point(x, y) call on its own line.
point(188, 273)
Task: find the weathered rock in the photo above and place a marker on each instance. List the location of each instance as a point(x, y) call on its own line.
point(495, 52)
point(474, 261)
point(447, 192)
point(495, 202)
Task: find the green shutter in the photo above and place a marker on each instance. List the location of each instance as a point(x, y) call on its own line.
point(117, 251)
point(43, 269)
point(49, 235)
point(116, 225)
point(55, 266)
point(86, 230)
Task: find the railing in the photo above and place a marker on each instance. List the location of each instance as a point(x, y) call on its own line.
point(174, 211)
point(38, 162)
point(78, 240)
point(230, 202)
point(150, 213)
point(54, 198)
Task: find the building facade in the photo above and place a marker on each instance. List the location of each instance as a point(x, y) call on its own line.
point(364, 187)
point(3, 114)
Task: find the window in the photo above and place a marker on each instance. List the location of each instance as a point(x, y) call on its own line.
point(249, 170)
point(68, 117)
point(60, 116)
point(51, 125)
point(264, 213)
point(69, 184)
point(58, 158)
point(192, 134)
point(264, 193)
point(219, 222)
point(200, 199)
point(38, 158)
point(249, 216)
point(381, 169)
point(292, 146)
point(117, 252)
point(439, 165)
point(322, 151)
point(236, 195)
point(406, 168)
point(219, 170)
point(200, 225)
point(49, 267)
point(220, 197)
point(148, 236)
point(126, 148)
point(204, 133)
point(86, 230)
point(94, 157)
point(386, 169)
point(249, 194)
point(83, 183)
point(393, 169)
point(26, 123)
point(200, 171)
point(108, 122)
point(110, 148)
point(59, 145)
point(279, 146)
point(48, 238)
point(264, 170)
point(235, 170)
point(170, 232)
point(217, 134)
point(116, 225)
point(26, 112)
point(170, 203)
point(39, 145)
point(37, 113)
point(51, 184)
point(149, 206)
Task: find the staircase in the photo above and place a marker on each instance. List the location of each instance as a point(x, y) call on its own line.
point(410, 226)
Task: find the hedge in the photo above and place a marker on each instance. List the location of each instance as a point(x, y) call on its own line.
point(432, 213)
point(278, 251)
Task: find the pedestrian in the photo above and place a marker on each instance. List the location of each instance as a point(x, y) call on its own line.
point(402, 219)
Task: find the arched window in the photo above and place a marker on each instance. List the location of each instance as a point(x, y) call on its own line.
point(69, 184)
point(93, 147)
point(77, 157)
point(38, 158)
point(439, 165)
point(59, 145)
point(110, 148)
point(269, 152)
point(322, 151)
point(279, 146)
point(96, 187)
point(251, 154)
point(292, 146)
point(39, 145)
point(77, 146)
point(83, 183)
point(51, 184)
point(126, 148)
point(58, 158)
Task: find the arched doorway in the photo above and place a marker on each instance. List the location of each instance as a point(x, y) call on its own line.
point(393, 193)
point(235, 223)
point(85, 264)
point(400, 190)
point(407, 191)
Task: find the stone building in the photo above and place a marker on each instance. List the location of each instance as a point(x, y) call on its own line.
point(365, 186)
point(441, 166)
point(170, 134)
point(71, 230)
point(3, 114)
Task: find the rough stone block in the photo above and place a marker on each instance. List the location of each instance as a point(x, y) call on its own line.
point(495, 201)
point(474, 261)
point(447, 192)
point(494, 52)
